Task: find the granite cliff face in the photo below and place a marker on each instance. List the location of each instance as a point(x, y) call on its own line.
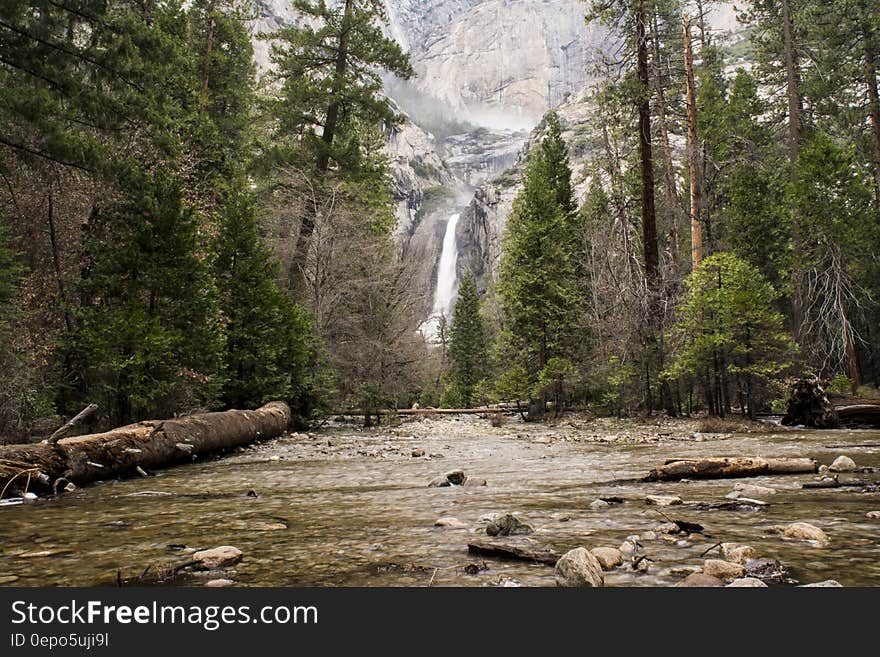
point(486, 72)
point(500, 63)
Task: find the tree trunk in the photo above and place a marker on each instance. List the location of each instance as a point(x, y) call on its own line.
point(307, 226)
point(56, 262)
point(795, 103)
point(693, 150)
point(145, 445)
point(795, 131)
point(725, 468)
point(649, 213)
point(873, 100)
point(670, 190)
point(206, 68)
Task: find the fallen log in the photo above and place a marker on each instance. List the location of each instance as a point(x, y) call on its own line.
point(431, 411)
point(859, 415)
point(512, 551)
point(730, 468)
point(146, 445)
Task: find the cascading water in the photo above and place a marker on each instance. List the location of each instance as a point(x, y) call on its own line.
point(447, 280)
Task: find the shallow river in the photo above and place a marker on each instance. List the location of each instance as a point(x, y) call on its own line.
point(352, 508)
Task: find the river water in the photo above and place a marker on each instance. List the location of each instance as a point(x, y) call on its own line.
point(347, 507)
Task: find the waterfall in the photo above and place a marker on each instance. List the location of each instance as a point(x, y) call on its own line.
point(447, 279)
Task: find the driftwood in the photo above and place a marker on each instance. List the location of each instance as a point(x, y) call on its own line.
point(84, 414)
point(144, 446)
point(725, 468)
point(510, 551)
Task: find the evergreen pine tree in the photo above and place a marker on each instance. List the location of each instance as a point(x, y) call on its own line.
point(467, 348)
point(729, 332)
point(149, 338)
point(267, 336)
point(538, 284)
point(329, 67)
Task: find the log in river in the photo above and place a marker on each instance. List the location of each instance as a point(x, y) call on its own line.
point(137, 447)
point(724, 468)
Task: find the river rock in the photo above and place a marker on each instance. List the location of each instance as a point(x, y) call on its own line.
point(753, 490)
point(449, 522)
point(220, 557)
point(578, 568)
point(630, 546)
point(802, 531)
point(507, 583)
point(700, 580)
point(219, 583)
point(739, 554)
point(475, 483)
point(508, 525)
point(843, 464)
point(827, 584)
point(417, 453)
point(873, 515)
point(608, 558)
point(456, 477)
point(747, 583)
point(599, 504)
point(663, 500)
point(724, 570)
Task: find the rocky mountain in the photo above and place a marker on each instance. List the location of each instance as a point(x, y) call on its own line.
point(500, 63)
point(486, 72)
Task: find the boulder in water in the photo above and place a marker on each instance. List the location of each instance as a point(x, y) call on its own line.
point(508, 525)
point(450, 522)
point(219, 557)
point(578, 568)
point(747, 583)
point(843, 464)
point(700, 581)
point(802, 531)
point(827, 584)
point(609, 558)
point(724, 570)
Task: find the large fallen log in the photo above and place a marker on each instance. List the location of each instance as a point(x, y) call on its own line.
point(862, 415)
point(146, 445)
point(487, 410)
point(728, 468)
point(512, 551)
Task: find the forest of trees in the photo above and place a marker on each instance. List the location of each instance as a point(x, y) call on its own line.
point(177, 233)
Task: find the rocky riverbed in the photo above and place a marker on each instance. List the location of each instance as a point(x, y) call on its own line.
point(351, 507)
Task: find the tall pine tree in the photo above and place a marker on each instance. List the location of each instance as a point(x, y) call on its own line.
point(467, 347)
point(538, 284)
point(149, 338)
point(329, 68)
